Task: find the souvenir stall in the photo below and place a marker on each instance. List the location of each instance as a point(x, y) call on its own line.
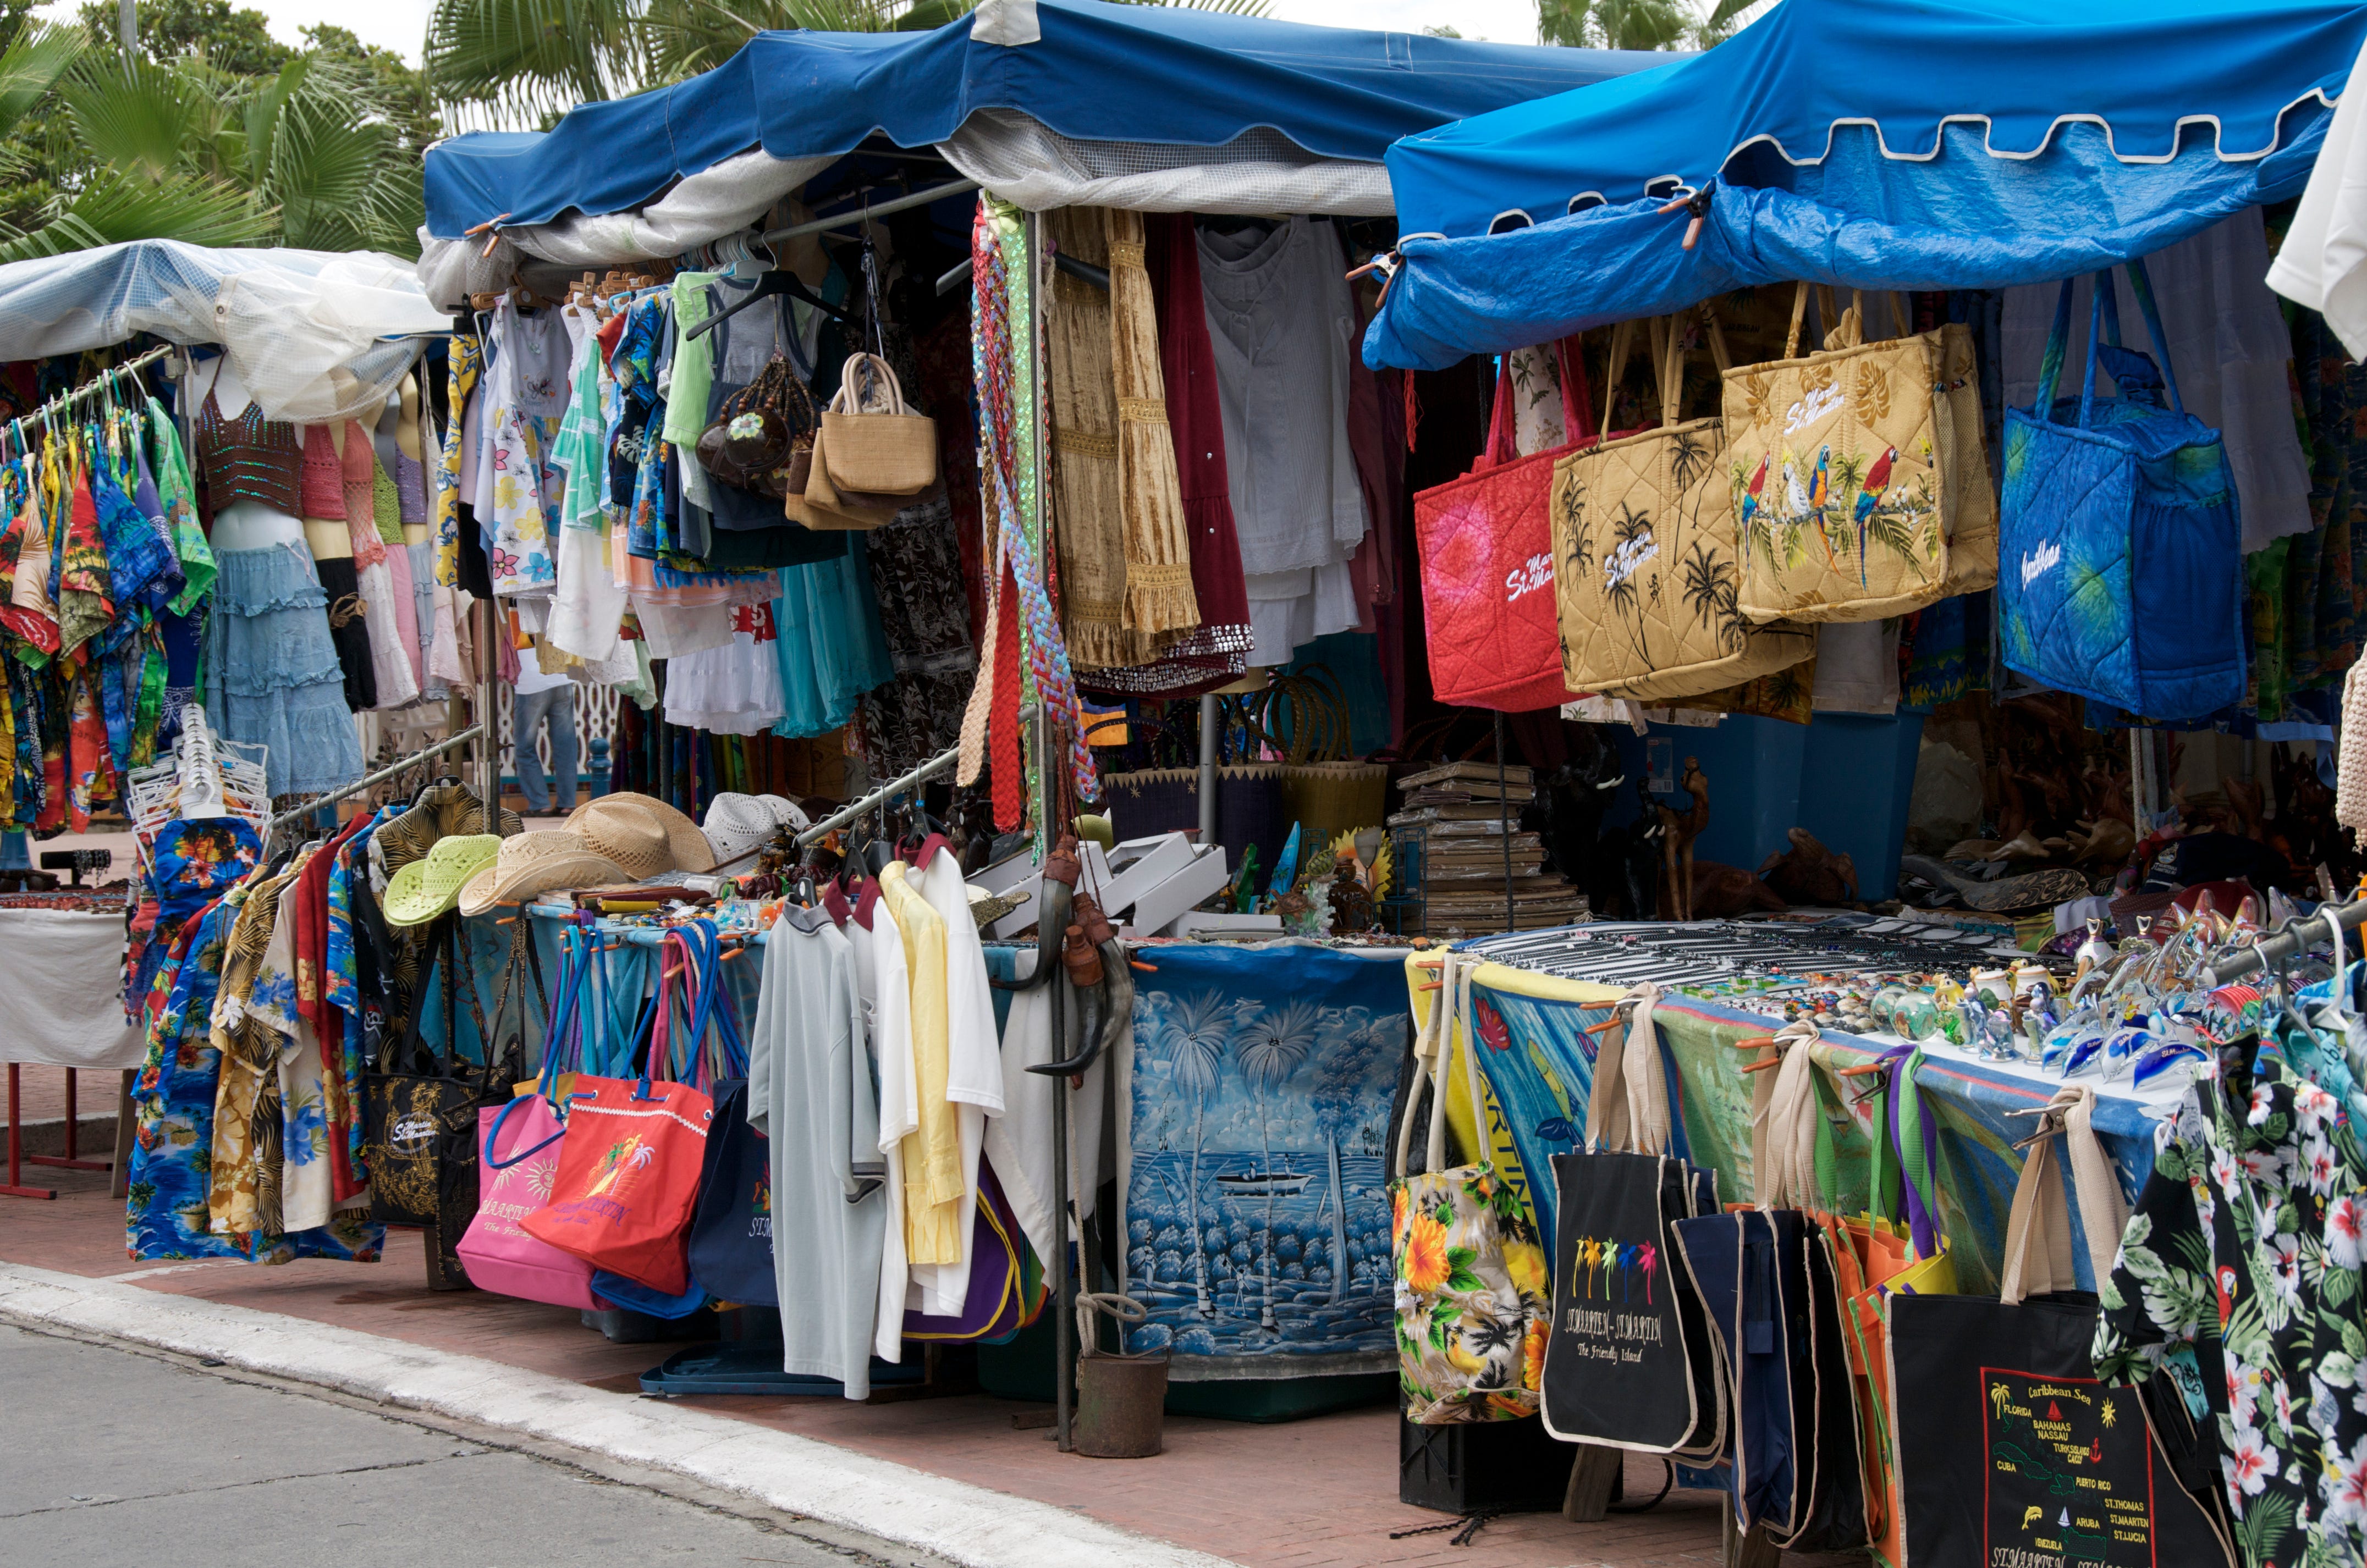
point(150, 493)
point(805, 502)
point(1968, 390)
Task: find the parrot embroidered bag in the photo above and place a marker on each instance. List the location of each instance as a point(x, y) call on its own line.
point(1646, 577)
point(1471, 1290)
point(1840, 465)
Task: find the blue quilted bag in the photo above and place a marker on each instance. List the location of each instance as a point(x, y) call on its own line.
point(2120, 563)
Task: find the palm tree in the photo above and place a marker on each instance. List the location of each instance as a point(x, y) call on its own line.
point(1712, 595)
point(529, 60)
point(1636, 23)
point(1197, 1030)
point(1270, 1051)
point(183, 150)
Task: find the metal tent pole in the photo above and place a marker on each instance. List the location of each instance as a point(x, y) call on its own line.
point(1503, 828)
point(489, 752)
point(1208, 770)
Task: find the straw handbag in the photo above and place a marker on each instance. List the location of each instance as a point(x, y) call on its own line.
point(1840, 463)
point(1647, 574)
point(874, 443)
point(820, 504)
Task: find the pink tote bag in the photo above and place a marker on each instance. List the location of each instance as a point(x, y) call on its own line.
point(520, 1163)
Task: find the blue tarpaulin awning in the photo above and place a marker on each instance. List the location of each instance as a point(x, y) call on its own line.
point(1092, 71)
point(1977, 143)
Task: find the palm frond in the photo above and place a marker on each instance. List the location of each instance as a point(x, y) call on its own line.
point(136, 116)
point(32, 65)
point(115, 207)
point(523, 57)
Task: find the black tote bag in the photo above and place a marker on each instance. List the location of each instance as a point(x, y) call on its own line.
point(2011, 1450)
point(732, 1229)
point(1629, 1361)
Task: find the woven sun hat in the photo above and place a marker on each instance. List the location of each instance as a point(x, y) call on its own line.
point(737, 826)
point(428, 887)
point(686, 848)
point(786, 813)
point(532, 864)
point(629, 834)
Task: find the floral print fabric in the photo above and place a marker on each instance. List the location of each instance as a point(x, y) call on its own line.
point(2239, 1273)
point(1472, 1302)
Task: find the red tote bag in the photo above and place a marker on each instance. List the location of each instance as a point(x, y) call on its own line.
point(1485, 543)
point(629, 1167)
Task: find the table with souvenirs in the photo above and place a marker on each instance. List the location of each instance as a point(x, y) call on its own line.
point(1892, 1166)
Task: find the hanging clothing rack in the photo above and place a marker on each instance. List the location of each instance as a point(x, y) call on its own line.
point(922, 774)
point(103, 381)
point(368, 780)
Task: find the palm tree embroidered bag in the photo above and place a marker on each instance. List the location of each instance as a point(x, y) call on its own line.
point(1842, 467)
point(2015, 1451)
point(1471, 1294)
point(519, 1147)
point(1485, 543)
point(2121, 561)
point(1629, 1361)
point(627, 1179)
point(1646, 577)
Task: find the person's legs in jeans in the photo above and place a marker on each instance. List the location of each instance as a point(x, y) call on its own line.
point(561, 713)
point(527, 710)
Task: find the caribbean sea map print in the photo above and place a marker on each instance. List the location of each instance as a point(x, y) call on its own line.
point(1257, 1211)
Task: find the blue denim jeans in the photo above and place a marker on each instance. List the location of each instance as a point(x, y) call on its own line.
point(528, 712)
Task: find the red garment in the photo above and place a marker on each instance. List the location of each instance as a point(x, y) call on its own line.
point(311, 913)
point(1213, 655)
point(323, 490)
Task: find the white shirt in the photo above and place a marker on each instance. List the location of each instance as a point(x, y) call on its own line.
point(2323, 263)
point(973, 1067)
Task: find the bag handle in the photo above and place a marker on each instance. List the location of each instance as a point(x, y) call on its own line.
point(2040, 1220)
point(1916, 1130)
point(1784, 1123)
point(848, 400)
point(1627, 1104)
point(1502, 446)
point(1622, 337)
point(574, 961)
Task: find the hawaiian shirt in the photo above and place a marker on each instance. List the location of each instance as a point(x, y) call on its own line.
point(2244, 1250)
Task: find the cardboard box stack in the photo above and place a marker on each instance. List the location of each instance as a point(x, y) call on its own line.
point(1464, 819)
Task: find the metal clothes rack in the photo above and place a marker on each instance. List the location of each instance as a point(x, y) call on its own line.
point(370, 779)
point(2289, 940)
point(103, 381)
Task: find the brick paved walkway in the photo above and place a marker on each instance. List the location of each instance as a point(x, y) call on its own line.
point(1310, 1494)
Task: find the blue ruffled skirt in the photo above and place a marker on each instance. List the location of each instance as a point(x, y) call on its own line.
point(272, 674)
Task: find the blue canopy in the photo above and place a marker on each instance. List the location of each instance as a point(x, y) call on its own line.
point(1975, 144)
point(1097, 72)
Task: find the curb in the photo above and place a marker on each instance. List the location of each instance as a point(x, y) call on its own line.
point(969, 1525)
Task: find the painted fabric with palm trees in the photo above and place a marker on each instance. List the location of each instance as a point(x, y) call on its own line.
point(1471, 1298)
point(1255, 1177)
point(1648, 577)
point(1837, 465)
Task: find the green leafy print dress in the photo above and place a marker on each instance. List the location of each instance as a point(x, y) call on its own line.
point(2240, 1269)
point(1472, 1306)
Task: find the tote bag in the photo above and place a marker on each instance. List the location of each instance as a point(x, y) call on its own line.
point(1006, 1286)
point(519, 1143)
point(1627, 1363)
point(2016, 1452)
point(2121, 560)
point(1470, 1276)
point(628, 1178)
point(1486, 552)
point(1840, 463)
point(1646, 575)
point(732, 1231)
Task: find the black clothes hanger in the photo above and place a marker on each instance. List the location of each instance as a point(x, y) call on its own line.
point(771, 286)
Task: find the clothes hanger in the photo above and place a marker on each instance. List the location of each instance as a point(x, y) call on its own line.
point(772, 285)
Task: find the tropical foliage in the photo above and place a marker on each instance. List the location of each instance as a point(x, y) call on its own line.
point(1638, 24)
point(212, 133)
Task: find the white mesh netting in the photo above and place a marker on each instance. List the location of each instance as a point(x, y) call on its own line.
point(307, 330)
point(1023, 160)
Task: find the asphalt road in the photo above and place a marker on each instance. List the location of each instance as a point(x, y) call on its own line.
point(109, 1458)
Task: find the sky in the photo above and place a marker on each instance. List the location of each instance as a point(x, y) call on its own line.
point(401, 25)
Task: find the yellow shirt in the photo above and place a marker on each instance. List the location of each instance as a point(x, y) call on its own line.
point(932, 1155)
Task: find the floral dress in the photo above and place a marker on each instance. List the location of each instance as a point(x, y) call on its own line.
point(2239, 1271)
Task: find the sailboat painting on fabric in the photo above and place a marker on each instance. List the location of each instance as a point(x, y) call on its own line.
point(1257, 1214)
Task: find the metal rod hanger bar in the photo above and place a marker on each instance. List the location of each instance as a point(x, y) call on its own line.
point(922, 774)
point(875, 210)
point(2278, 946)
point(367, 780)
point(93, 387)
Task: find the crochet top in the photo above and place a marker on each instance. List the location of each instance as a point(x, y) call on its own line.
point(248, 459)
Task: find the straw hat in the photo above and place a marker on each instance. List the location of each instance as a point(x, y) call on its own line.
point(536, 862)
point(737, 826)
point(617, 826)
point(429, 885)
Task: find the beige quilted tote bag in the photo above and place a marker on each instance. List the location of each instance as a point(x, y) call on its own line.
point(1838, 462)
point(1646, 573)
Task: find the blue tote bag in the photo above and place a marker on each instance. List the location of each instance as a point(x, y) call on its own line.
point(2120, 567)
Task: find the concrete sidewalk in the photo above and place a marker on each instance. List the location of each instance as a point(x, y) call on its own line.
point(947, 1475)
